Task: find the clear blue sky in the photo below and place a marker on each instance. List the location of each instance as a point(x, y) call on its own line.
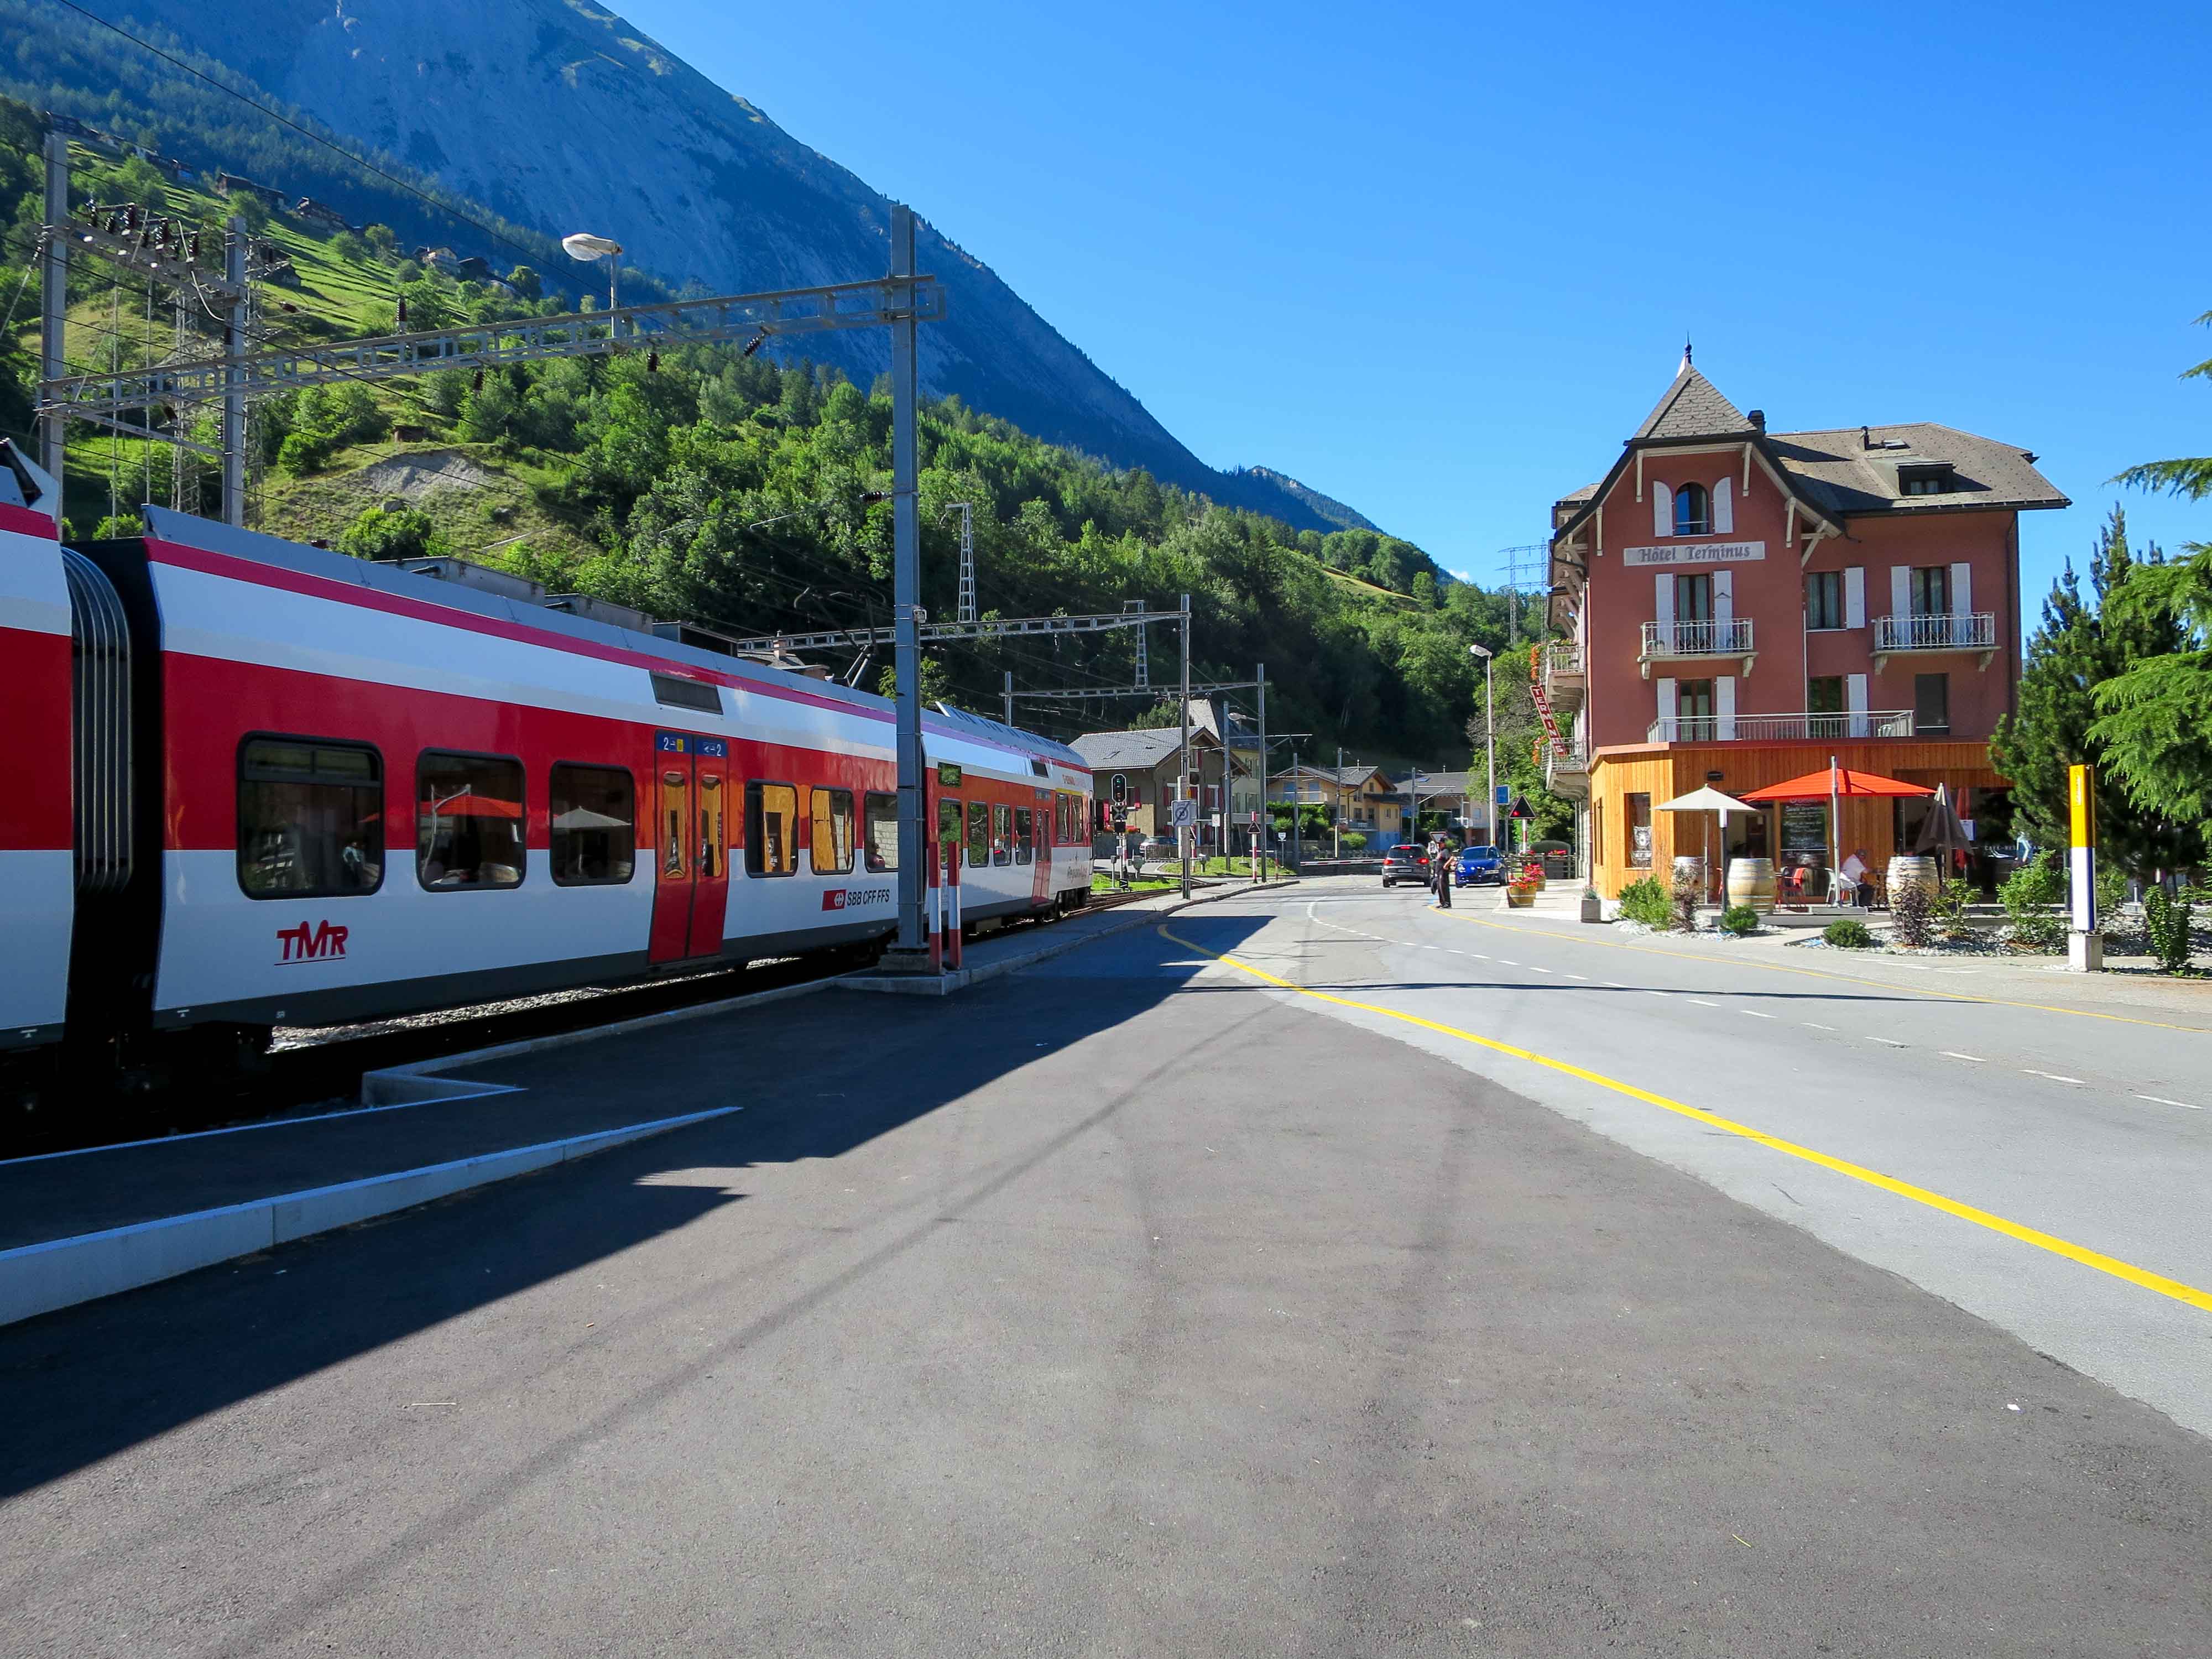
point(1437, 263)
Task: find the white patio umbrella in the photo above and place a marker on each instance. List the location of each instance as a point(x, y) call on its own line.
point(1710, 799)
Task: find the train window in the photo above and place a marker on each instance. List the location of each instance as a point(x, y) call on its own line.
point(1002, 834)
point(833, 831)
point(310, 818)
point(594, 826)
point(1024, 835)
point(673, 691)
point(948, 831)
point(879, 827)
point(468, 821)
point(771, 829)
point(979, 834)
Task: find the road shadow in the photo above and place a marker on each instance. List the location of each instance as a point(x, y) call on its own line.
point(816, 1076)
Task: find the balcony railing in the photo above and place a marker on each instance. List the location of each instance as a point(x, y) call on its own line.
point(1968, 631)
point(1731, 638)
point(1562, 662)
point(1780, 728)
point(1575, 761)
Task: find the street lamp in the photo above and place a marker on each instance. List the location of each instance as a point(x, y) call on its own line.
point(585, 248)
point(1490, 732)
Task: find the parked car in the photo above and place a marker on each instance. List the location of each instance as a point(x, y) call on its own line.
point(1157, 847)
point(1407, 861)
point(1479, 867)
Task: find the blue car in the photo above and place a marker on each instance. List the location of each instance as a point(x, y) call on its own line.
point(1478, 866)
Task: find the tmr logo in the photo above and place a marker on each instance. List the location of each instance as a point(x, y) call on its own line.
point(319, 942)
point(847, 898)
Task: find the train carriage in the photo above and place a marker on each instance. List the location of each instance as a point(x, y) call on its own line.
point(356, 791)
point(37, 876)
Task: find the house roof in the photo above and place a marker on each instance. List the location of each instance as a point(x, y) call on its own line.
point(1694, 408)
point(1137, 750)
point(1855, 470)
point(1839, 473)
point(1345, 777)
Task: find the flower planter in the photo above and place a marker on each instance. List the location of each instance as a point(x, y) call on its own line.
point(1593, 907)
point(1518, 899)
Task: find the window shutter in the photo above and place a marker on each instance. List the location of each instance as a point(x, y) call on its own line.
point(1663, 510)
point(1725, 707)
point(1724, 594)
point(1962, 590)
point(1667, 709)
point(1900, 589)
point(1855, 699)
point(1855, 596)
point(1663, 595)
point(1724, 508)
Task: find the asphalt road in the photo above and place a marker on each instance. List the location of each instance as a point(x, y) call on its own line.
point(1135, 1305)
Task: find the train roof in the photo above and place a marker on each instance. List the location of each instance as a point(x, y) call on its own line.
point(184, 530)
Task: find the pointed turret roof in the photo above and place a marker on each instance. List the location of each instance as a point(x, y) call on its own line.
point(1693, 408)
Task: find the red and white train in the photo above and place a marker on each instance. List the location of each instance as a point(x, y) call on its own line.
point(245, 782)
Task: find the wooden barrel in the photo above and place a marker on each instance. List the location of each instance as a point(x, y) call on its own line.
point(1912, 870)
point(1751, 881)
point(1690, 871)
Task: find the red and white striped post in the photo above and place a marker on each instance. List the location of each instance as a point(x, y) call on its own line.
point(933, 908)
point(952, 952)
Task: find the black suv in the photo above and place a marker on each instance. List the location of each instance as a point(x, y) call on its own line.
point(1407, 861)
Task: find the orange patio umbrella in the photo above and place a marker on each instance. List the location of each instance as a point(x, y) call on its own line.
point(1833, 783)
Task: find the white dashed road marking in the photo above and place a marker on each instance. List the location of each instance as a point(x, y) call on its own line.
point(2163, 1101)
point(1755, 1013)
point(2031, 1072)
point(1952, 1054)
point(1702, 1003)
point(1887, 1042)
point(1817, 1026)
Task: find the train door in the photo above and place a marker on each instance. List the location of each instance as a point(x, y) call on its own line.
point(691, 843)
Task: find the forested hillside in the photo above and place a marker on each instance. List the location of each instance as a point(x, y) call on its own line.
point(734, 491)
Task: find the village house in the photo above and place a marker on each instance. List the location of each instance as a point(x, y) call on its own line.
point(1359, 797)
point(1740, 607)
point(1137, 770)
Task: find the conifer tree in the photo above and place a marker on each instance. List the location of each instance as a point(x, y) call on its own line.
point(2078, 646)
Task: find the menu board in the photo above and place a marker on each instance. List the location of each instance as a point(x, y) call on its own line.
point(1804, 827)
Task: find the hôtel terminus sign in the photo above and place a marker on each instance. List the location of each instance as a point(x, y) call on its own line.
point(1702, 553)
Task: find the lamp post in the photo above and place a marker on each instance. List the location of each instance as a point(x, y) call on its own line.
point(1490, 746)
point(585, 248)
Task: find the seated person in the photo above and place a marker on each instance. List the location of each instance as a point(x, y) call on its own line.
point(1860, 874)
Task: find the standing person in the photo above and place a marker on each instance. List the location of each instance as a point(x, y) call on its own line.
point(1440, 872)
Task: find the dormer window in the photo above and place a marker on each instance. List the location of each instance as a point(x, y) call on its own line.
point(1925, 478)
point(1693, 513)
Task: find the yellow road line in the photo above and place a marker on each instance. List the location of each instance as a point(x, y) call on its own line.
point(1931, 992)
point(2143, 1277)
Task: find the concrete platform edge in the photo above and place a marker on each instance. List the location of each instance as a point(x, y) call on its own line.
point(944, 985)
point(385, 1082)
point(60, 1272)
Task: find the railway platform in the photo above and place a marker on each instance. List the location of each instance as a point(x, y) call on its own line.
point(78, 1225)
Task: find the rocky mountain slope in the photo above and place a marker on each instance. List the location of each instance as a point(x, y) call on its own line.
point(561, 116)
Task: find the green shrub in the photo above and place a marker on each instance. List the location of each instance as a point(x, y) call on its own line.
point(1849, 934)
point(406, 534)
point(1646, 900)
point(1352, 841)
point(1741, 919)
point(1948, 909)
point(2027, 895)
point(2166, 922)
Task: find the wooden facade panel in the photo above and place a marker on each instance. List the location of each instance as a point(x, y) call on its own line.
point(1666, 771)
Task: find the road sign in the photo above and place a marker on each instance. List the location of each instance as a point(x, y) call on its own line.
point(1183, 814)
point(1520, 810)
point(1504, 794)
point(1255, 818)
